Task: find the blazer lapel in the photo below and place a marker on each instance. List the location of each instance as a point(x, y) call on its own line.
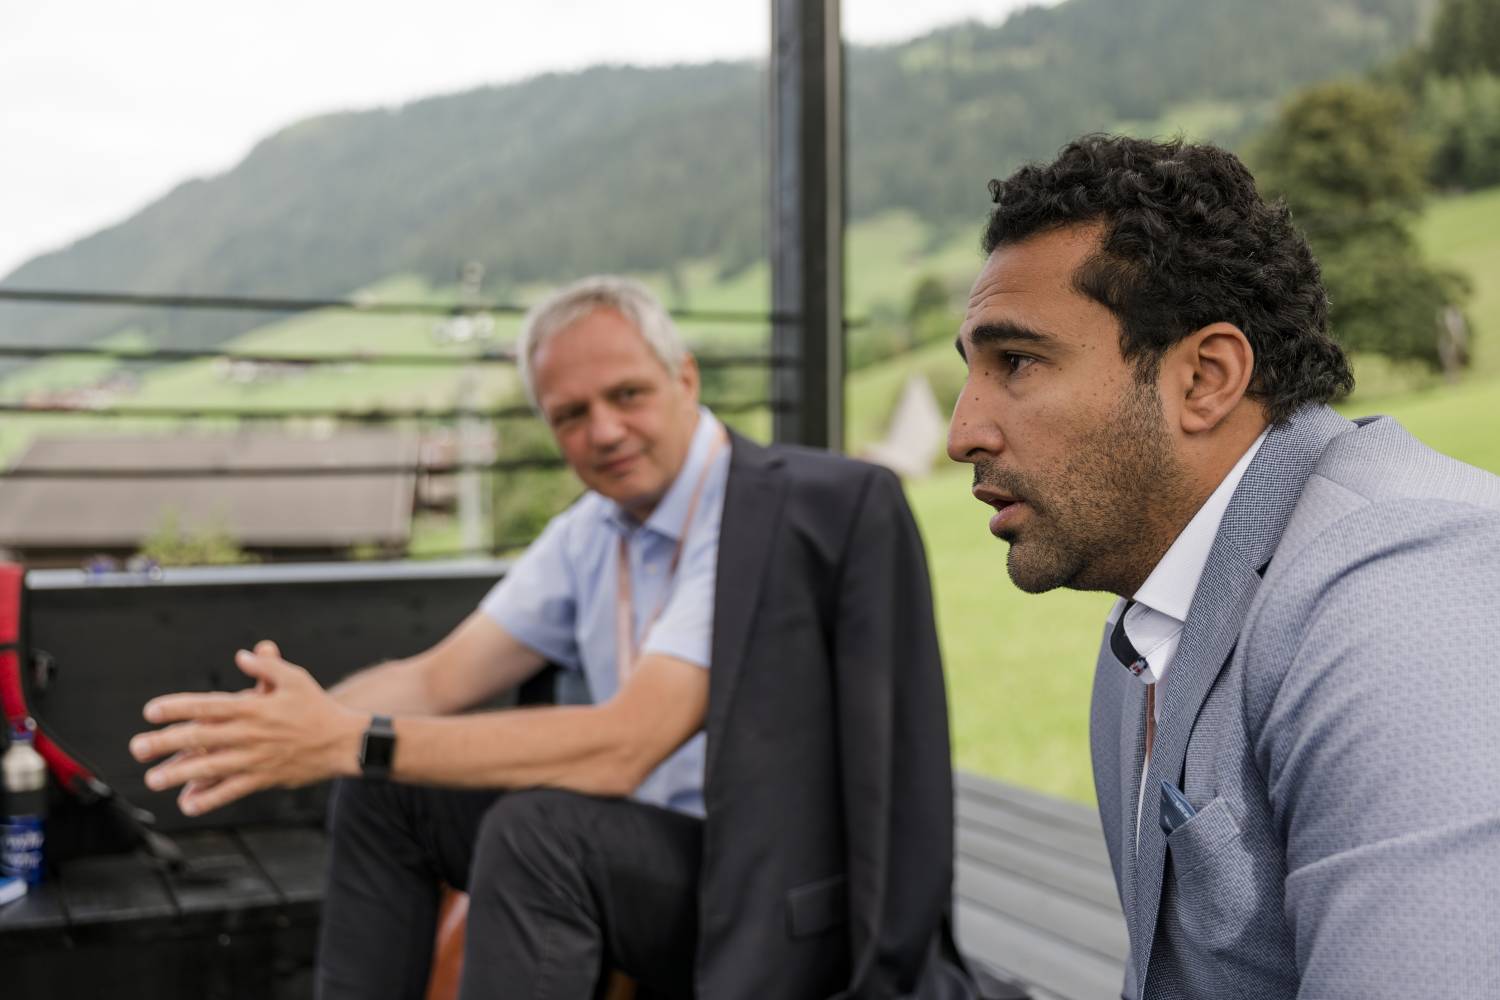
point(1118, 743)
point(753, 499)
point(1132, 762)
point(1246, 541)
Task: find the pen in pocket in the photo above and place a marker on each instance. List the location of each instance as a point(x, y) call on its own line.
point(1175, 807)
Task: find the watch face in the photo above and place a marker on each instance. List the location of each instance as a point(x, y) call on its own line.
point(378, 748)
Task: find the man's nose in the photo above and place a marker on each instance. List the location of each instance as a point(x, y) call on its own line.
point(606, 429)
point(972, 432)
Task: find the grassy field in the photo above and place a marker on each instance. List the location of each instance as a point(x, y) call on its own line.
point(1019, 666)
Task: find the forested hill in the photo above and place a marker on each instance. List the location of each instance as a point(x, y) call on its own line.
point(643, 169)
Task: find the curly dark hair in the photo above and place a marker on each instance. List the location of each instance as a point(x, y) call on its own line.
point(1187, 241)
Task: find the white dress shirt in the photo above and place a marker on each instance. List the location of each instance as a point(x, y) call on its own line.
point(1154, 623)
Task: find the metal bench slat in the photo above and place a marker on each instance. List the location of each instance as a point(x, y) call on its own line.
point(41, 910)
point(993, 817)
point(1062, 873)
point(1048, 964)
point(219, 876)
point(1085, 925)
point(115, 888)
point(1062, 812)
point(293, 858)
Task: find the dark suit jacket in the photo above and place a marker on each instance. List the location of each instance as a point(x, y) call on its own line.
point(828, 848)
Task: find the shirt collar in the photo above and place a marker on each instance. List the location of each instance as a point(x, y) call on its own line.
point(667, 519)
point(1171, 586)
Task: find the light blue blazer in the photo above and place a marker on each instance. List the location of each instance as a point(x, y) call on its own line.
point(1333, 714)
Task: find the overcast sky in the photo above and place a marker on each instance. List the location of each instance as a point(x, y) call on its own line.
point(105, 106)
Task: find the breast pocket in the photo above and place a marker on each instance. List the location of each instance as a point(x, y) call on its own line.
point(1219, 885)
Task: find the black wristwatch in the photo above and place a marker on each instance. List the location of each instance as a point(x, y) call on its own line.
point(378, 748)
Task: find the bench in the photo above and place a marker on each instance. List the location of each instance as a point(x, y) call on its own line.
point(1034, 895)
point(240, 921)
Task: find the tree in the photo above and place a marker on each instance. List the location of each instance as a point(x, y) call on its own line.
point(930, 315)
point(1460, 120)
point(928, 295)
point(1465, 38)
point(524, 500)
point(1385, 300)
point(1344, 157)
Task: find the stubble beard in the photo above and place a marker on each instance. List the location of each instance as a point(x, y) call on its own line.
point(1108, 515)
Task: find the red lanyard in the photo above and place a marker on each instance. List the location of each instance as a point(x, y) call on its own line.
point(627, 650)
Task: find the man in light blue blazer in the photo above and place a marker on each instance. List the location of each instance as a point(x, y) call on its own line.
point(1296, 712)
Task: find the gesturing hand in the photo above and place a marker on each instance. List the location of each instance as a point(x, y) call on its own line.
point(285, 732)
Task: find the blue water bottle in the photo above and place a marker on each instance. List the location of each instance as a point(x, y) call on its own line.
point(22, 835)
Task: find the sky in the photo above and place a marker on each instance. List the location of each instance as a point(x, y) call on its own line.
point(106, 106)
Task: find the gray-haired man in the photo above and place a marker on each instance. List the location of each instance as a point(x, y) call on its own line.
point(773, 600)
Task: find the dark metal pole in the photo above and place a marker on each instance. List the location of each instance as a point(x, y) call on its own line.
point(807, 220)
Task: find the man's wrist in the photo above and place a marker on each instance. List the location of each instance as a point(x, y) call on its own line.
point(344, 758)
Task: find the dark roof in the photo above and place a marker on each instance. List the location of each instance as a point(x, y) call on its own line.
point(273, 511)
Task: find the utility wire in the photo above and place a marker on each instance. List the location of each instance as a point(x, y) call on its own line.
point(373, 416)
point(356, 357)
point(284, 471)
point(253, 303)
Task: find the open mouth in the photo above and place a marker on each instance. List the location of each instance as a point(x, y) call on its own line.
point(1007, 507)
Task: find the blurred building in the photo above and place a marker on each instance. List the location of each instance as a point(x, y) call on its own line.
point(275, 495)
point(916, 433)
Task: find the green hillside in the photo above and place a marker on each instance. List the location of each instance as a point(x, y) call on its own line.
point(663, 170)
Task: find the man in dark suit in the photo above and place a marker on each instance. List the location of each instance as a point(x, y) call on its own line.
point(753, 799)
point(1296, 699)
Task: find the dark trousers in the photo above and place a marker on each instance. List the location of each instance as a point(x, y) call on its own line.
point(562, 886)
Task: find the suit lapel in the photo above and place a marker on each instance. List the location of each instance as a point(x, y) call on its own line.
point(753, 500)
point(1207, 640)
point(1246, 541)
point(1132, 761)
point(1118, 743)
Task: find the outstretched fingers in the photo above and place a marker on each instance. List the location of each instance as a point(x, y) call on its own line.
point(189, 737)
point(202, 796)
point(204, 766)
point(210, 706)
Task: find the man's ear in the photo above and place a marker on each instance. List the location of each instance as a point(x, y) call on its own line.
point(1209, 372)
point(688, 377)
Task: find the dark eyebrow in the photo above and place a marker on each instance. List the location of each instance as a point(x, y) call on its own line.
point(1004, 333)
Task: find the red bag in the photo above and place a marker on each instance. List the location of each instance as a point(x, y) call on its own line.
point(71, 776)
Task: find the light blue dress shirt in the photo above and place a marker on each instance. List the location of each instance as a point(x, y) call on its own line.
point(559, 597)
